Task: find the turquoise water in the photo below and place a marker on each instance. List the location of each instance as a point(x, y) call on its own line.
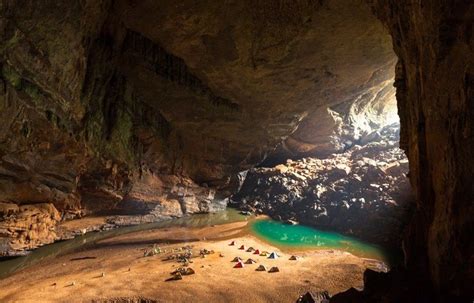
point(301, 237)
point(277, 233)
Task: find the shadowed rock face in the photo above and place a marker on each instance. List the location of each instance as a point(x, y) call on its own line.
point(104, 101)
point(434, 80)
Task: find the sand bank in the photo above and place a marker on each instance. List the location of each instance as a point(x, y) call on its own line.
point(129, 274)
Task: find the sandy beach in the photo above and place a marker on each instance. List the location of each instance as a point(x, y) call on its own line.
point(116, 269)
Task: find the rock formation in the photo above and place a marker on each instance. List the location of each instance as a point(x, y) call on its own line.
point(28, 225)
point(104, 101)
point(146, 107)
point(362, 192)
point(434, 81)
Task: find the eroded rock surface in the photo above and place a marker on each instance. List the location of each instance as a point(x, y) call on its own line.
point(29, 226)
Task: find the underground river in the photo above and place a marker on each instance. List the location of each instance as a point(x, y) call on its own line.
point(285, 237)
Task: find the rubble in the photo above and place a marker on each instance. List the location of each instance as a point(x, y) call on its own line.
point(363, 191)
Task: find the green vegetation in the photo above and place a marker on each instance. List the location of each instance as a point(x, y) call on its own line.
point(110, 134)
point(119, 144)
point(32, 90)
point(21, 84)
point(9, 74)
point(10, 42)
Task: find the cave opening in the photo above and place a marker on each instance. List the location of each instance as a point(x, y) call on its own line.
point(342, 168)
point(351, 178)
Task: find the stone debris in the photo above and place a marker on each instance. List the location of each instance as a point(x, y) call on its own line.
point(185, 271)
point(365, 184)
point(184, 255)
point(204, 252)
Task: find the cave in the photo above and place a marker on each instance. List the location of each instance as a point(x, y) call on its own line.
point(353, 179)
point(134, 132)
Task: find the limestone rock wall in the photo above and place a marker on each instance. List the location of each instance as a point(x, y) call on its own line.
point(350, 121)
point(434, 81)
point(29, 226)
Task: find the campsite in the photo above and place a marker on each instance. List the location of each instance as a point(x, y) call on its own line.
point(186, 264)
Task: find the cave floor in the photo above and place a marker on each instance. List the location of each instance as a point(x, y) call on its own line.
point(128, 274)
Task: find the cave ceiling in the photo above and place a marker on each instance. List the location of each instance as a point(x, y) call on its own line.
point(198, 89)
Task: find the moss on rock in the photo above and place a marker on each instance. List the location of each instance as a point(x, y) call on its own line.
point(11, 75)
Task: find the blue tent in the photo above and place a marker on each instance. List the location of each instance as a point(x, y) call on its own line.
point(273, 255)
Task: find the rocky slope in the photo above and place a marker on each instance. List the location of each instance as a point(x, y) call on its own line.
point(362, 192)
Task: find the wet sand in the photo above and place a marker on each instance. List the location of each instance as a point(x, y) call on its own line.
point(128, 274)
point(83, 223)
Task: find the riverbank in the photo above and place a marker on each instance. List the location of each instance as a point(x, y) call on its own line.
point(70, 229)
point(116, 268)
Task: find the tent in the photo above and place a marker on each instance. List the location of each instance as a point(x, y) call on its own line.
point(256, 252)
point(232, 243)
point(273, 255)
point(237, 259)
point(294, 258)
point(239, 265)
point(264, 254)
point(250, 249)
point(274, 269)
point(242, 247)
point(250, 261)
point(261, 268)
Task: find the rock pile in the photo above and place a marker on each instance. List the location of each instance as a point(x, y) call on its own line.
point(363, 191)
